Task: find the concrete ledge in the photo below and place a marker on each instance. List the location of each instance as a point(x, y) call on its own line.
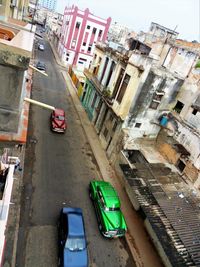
point(157, 243)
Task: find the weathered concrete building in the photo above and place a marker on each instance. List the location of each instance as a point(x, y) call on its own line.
point(16, 44)
point(144, 104)
point(184, 118)
point(135, 89)
point(13, 9)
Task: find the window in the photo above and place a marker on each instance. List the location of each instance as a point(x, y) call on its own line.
point(114, 126)
point(178, 107)
point(73, 43)
point(154, 104)
point(84, 43)
point(123, 88)
point(105, 132)
point(67, 58)
point(138, 125)
point(111, 117)
point(88, 27)
point(119, 79)
point(95, 56)
point(194, 112)
point(94, 101)
point(157, 97)
point(67, 22)
point(94, 30)
point(80, 62)
point(100, 33)
point(67, 54)
point(104, 69)
point(83, 59)
point(89, 47)
point(180, 165)
point(110, 73)
point(78, 25)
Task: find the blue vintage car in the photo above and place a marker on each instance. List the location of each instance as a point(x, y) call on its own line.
point(72, 239)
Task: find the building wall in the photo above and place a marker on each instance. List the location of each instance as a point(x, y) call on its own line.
point(179, 61)
point(50, 4)
point(79, 42)
point(143, 120)
point(10, 99)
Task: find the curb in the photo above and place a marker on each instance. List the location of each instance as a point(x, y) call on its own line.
point(13, 262)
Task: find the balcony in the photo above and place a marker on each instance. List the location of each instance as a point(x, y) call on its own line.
point(104, 92)
point(93, 79)
point(16, 45)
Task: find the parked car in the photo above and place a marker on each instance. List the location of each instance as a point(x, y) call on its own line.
point(41, 47)
point(72, 245)
point(107, 206)
point(41, 66)
point(57, 120)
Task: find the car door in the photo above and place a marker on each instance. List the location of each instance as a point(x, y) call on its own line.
point(63, 231)
point(99, 206)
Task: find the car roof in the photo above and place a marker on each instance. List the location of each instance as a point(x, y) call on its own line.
point(110, 195)
point(75, 224)
point(58, 111)
point(41, 63)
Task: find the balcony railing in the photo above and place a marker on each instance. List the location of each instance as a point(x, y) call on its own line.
point(99, 87)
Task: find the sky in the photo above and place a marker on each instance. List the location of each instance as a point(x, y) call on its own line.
point(181, 15)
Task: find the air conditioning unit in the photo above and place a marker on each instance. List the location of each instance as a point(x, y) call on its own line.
point(13, 3)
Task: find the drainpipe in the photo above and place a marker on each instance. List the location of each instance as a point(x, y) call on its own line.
point(39, 103)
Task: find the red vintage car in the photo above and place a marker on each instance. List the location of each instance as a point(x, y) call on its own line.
point(57, 120)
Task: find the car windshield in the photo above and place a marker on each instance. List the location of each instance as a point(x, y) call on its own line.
point(60, 118)
point(111, 209)
point(75, 243)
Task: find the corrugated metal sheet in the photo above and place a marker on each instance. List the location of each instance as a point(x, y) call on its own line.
point(175, 217)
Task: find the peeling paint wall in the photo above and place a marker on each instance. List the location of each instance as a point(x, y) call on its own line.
point(191, 172)
point(11, 79)
point(190, 141)
point(168, 153)
point(122, 109)
point(143, 120)
point(180, 61)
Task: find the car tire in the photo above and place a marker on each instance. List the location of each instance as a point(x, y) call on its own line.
point(100, 227)
point(90, 194)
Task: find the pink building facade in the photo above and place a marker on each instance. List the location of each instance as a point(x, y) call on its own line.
point(79, 33)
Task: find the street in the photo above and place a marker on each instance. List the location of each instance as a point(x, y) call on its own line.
point(57, 171)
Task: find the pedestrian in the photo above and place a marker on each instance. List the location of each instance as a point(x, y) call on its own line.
point(20, 147)
point(17, 164)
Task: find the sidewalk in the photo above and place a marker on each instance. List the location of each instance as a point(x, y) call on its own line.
point(141, 248)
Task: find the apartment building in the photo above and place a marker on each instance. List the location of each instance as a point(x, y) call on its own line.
point(144, 104)
point(79, 33)
point(49, 4)
point(15, 80)
point(129, 92)
point(14, 9)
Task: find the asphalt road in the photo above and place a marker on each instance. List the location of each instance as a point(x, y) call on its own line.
point(57, 171)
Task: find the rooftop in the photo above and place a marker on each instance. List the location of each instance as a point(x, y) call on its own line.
point(170, 205)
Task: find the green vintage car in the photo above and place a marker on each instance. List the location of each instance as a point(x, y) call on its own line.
point(107, 206)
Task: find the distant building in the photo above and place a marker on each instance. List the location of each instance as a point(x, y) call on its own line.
point(79, 33)
point(157, 32)
point(49, 4)
point(118, 33)
point(13, 9)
